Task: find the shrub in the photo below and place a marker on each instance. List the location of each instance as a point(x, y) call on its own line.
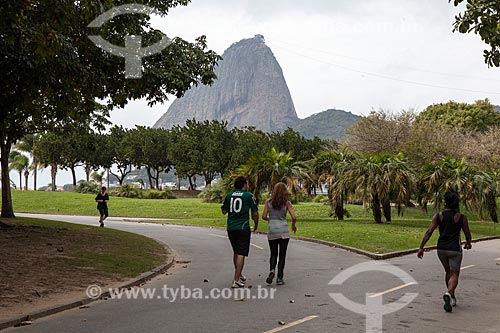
point(212, 193)
point(127, 191)
point(156, 194)
point(86, 187)
point(321, 198)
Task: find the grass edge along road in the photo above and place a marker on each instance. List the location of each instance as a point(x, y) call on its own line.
point(359, 231)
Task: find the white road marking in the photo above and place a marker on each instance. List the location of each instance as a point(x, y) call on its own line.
point(215, 235)
point(497, 259)
point(393, 289)
point(295, 323)
point(465, 267)
point(260, 248)
point(220, 236)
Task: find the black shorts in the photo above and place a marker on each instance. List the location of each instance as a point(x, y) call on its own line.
point(240, 241)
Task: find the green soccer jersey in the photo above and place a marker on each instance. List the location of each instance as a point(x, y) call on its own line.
point(238, 204)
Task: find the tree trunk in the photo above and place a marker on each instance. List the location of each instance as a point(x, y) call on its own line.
point(35, 171)
point(53, 174)
point(377, 213)
point(73, 173)
point(107, 177)
point(26, 175)
point(386, 204)
point(20, 180)
point(492, 206)
point(339, 210)
point(190, 183)
point(88, 170)
point(7, 210)
point(150, 178)
point(178, 182)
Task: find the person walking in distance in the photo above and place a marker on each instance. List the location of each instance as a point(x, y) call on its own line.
point(102, 199)
point(449, 249)
point(278, 235)
point(237, 205)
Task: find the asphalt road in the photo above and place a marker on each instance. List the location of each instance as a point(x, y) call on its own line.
point(303, 304)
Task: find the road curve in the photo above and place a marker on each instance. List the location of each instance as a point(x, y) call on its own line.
point(303, 304)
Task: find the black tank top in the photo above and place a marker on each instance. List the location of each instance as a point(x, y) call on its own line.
point(449, 231)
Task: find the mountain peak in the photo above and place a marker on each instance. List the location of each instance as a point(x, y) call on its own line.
point(250, 91)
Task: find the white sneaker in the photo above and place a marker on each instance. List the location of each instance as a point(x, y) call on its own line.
point(237, 284)
point(243, 279)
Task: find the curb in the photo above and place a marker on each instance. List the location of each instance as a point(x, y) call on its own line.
point(50, 311)
point(371, 255)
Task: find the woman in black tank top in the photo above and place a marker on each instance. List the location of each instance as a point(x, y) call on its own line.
point(449, 249)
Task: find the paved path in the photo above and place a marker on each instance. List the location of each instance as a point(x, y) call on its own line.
point(309, 269)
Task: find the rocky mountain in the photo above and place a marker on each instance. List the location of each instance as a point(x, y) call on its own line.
point(250, 91)
point(329, 124)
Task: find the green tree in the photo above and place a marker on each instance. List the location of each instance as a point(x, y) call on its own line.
point(481, 17)
point(248, 142)
point(29, 145)
point(289, 140)
point(327, 166)
point(20, 163)
point(49, 154)
point(117, 144)
point(150, 147)
point(44, 47)
point(479, 116)
point(264, 171)
point(378, 179)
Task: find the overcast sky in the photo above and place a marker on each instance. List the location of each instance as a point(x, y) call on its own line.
point(350, 55)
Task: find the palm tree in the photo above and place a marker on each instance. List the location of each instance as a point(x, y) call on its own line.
point(377, 178)
point(328, 166)
point(19, 163)
point(264, 171)
point(486, 185)
point(98, 177)
point(29, 144)
point(448, 174)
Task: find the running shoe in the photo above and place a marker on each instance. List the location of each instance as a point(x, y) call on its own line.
point(243, 279)
point(237, 284)
point(280, 282)
point(453, 301)
point(447, 302)
point(270, 277)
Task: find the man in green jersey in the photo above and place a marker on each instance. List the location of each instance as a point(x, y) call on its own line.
point(237, 205)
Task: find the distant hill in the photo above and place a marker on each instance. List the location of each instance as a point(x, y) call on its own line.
point(329, 124)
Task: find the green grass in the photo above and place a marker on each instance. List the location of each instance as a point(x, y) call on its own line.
point(404, 232)
point(105, 250)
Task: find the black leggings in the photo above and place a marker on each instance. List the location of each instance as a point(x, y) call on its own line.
point(278, 246)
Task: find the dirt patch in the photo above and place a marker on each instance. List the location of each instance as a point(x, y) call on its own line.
point(42, 266)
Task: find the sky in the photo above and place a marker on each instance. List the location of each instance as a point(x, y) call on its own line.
point(355, 56)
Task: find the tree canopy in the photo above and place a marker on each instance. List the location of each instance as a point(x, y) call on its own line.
point(53, 74)
point(481, 17)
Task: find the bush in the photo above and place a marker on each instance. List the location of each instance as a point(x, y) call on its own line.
point(86, 187)
point(212, 193)
point(321, 198)
point(127, 191)
point(156, 194)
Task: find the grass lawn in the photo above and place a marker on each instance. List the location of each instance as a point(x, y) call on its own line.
point(404, 232)
point(49, 258)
